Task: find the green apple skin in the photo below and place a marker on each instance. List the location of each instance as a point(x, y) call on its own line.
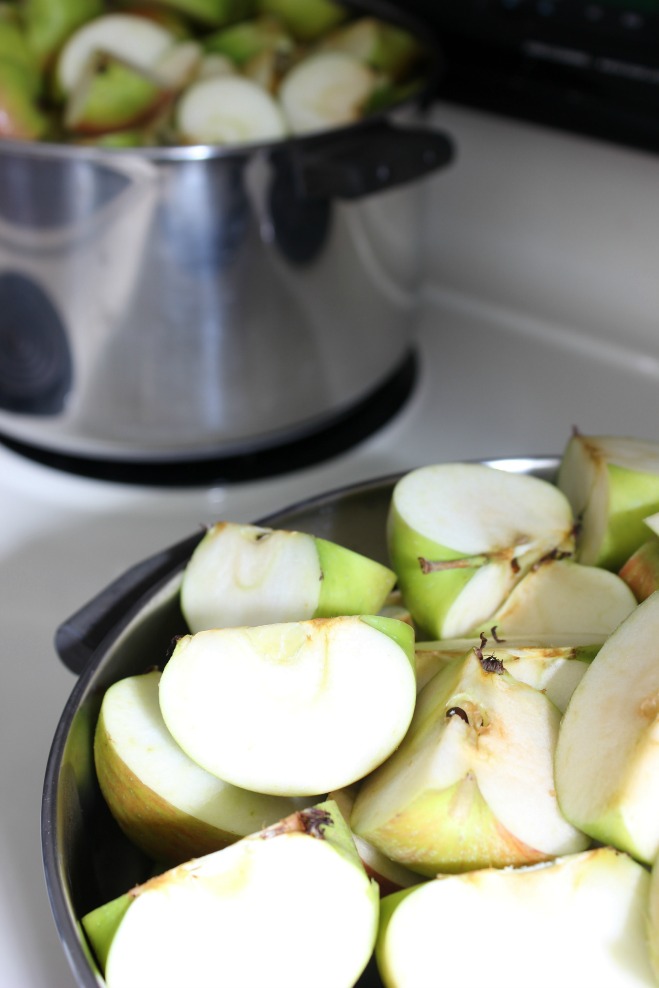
point(229, 876)
point(612, 484)
point(213, 13)
point(607, 756)
point(306, 19)
point(20, 115)
point(241, 42)
point(115, 97)
point(641, 571)
point(49, 23)
point(425, 806)
point(593, 902)
point(385, 47)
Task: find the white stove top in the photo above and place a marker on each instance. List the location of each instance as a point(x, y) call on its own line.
point(541, 315)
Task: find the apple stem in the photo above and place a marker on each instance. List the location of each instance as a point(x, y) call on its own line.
point(489, 663)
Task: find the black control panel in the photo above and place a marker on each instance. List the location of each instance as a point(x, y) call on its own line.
point(587, 65)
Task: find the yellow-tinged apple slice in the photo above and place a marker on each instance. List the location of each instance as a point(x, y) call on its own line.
point(563, 597)
point(288, 708)
point(607, 757)
point(462, 535)
point(472, 784)
point(579, 920)
point(612, 483)
point(249, 575)
point(641, 571)
point(551, 663)
point(163, 801)
point(281, 907)
point(325, 89)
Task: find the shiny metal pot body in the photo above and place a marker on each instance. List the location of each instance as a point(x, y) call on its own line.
point(190, 302)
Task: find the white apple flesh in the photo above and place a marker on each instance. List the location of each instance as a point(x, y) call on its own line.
point(607, 757)
point(461, 536)
point(578, 921)
point(164, 802)
point(228, 110)
point(326, 89)
point(563, 597)
point(612, 483)
point(281, 907)
point(249, 575)
point(472, 784)
point(289, 709)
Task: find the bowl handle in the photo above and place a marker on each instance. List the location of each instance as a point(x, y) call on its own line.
point(77, 638)
point(374, 158)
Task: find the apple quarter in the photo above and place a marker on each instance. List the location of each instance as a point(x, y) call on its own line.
point(292, 709)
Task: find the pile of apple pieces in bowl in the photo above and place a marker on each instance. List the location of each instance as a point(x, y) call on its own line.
point(345, 765)
point(179, 72)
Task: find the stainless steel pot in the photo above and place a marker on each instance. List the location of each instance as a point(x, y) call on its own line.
point(183, 303)
point(87, 860)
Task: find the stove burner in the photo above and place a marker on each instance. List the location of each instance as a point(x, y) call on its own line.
point(343, 433)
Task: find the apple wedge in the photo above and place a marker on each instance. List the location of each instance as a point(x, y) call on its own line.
point(307, 20)
point(563, 597)
point(242, 42)
point(292, 709)
point(641, 571)
point(461, 535)
point(607, 757)
point(612, 483)
point(247, 575)
point(228, 110)
point(325, 89)
point(279, 908)
point(386, 47)
point(390, 876)
point(472, 784)
point(579, 920)
point(551, 663)
point(163, 801)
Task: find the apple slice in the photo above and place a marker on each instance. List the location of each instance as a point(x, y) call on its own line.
point(112, 95)
point(228, 110)
point(607, 757)
point(612, 484)
point(325, 89)
point(247, 574)
point(461, 535)
point(385, 47)
point(212, 13)
point(307, 20)
point(472, 784)
point(163, 801)
point(243, 41)
point(641, 571)
point(551, 663)
point(136, 41)
point(281, 907)
point(564, 597)
point(578, 921)
point(390, 876)
point(289, 708)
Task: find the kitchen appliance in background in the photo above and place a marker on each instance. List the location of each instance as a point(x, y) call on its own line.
point(166, 306)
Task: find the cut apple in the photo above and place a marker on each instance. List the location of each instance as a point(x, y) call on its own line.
point(577, 921)
point(472, 784)
point(607, 757)
point(228, 110)
point(249, 575)
point(112, 95)
point(163, 801)
point(461, 535)
point(289, 708)
point(563, 597)
point(390, 876)
point(279, 908)
point(307, 20)
point(20, 115)
point(641, 571)
point(612, 484)
point(137, 41)
point(554, 664)
point(326, 89)
point(242, 42)
point(385, 47)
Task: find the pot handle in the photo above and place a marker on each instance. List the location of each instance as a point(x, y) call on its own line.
point(79, 636)
point(354, 164)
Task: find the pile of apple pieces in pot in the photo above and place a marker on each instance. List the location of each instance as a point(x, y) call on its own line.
point(177, 72)
point(346, 763)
